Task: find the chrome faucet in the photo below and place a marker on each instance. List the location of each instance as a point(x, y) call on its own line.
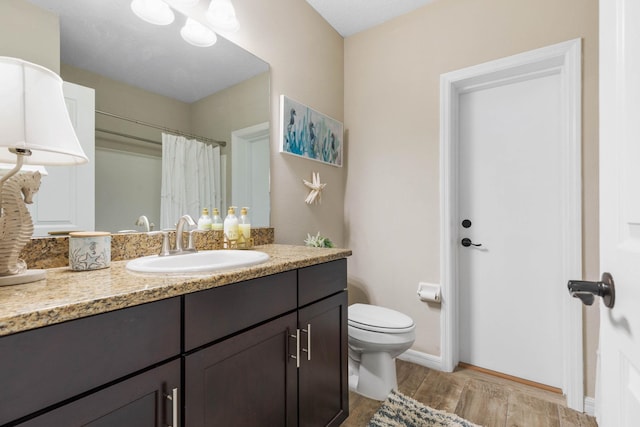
point(184, 219)
point(144, 221)
point(179, 248)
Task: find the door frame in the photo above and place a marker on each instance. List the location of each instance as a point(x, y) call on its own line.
point(563, 59)
point(242, 143)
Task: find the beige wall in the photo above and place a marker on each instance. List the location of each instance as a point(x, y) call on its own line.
point(125, 100)
point(392, 115)
point(30, 33)
point(306, 59)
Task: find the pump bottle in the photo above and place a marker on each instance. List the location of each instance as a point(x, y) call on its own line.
point(231, 224)
point(216, 221)
point(204, 222)
point(245, 224)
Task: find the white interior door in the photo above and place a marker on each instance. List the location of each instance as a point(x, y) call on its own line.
point(510, 171)
point(510, 164)
point(250, 172)
point(618, 384)
point(66, 199)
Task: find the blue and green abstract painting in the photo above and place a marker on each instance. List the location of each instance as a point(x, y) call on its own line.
point(308, 133)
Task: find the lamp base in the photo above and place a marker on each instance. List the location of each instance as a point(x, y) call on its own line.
point(26, 277)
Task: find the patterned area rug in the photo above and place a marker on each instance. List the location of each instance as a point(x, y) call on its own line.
point(402, 411)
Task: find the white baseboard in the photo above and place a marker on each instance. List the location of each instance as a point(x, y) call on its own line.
point(590, 406)
point(422, 359)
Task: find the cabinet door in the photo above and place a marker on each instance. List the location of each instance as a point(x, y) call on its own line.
point(246, 380)
point(140, 401)
point(323, 377)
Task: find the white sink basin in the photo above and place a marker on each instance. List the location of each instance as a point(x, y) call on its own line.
point(199, 262)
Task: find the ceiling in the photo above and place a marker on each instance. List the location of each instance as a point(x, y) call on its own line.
point(352, 16)
point(106, 38)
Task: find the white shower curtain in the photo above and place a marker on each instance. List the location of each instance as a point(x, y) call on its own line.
point(191, 179)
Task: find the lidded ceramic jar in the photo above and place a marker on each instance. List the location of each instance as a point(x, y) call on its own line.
point(89, 250)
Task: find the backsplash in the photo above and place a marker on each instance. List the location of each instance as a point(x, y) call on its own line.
point(52, 252)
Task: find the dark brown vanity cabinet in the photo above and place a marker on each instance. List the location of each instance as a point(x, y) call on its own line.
point(246, 380)
point(323, 388)
point(78, 370)
point(149, 399)
point(289, 370)
point(270, 351)
point(323, 374)
point(242, 375)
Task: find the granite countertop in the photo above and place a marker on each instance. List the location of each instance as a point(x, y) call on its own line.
point(67, 295)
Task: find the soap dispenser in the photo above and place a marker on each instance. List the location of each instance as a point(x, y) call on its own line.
point(231, 224)
point(204, 222)
point(245, 224)
point(216, 221)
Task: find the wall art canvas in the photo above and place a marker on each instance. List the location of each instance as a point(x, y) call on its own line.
point(307, 133)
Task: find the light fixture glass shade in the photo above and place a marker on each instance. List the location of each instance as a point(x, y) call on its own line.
point(33, 116)
point(153, 11)
point(186, 3)
point(197, 34)
point(222, 15)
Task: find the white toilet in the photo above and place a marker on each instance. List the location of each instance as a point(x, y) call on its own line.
point(376, 336)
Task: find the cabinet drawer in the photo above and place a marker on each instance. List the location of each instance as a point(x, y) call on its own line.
point(137, 401)
point(320, 281)
point(45, 366)
point(216, 313)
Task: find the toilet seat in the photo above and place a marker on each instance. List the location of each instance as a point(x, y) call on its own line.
point(379, 319)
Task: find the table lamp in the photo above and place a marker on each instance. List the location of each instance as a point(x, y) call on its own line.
point(35, 129)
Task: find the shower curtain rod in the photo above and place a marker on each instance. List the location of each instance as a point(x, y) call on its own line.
point(162, 128)
point(126, 135)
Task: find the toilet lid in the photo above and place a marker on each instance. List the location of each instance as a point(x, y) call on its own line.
point(379, 319)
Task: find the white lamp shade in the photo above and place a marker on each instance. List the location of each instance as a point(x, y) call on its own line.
point(33, 115)
point(197, 34)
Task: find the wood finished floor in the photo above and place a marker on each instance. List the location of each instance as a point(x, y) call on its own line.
point(480, 398)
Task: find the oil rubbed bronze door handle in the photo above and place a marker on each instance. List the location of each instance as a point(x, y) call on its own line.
point(466, 242)
point(587, 291)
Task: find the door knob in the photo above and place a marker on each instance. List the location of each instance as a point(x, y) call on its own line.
point(466, 223)
point(587, 291)
point(466, 242)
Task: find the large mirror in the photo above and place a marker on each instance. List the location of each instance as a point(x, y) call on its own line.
point(147, 77)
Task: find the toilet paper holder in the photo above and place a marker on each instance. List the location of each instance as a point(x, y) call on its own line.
point(429, 292)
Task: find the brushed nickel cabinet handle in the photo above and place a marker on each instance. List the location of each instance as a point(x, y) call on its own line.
point(173, 397)
point(297, 355)
point(308, 349)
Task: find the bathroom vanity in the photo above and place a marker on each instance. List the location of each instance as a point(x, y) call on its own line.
point(260, 346)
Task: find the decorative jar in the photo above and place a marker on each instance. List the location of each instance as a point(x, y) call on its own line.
point(89, 250)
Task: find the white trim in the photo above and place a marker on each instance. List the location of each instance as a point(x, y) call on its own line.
point(564, 59)
point(590, 406)
point(252, 132)
point(423, 359)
